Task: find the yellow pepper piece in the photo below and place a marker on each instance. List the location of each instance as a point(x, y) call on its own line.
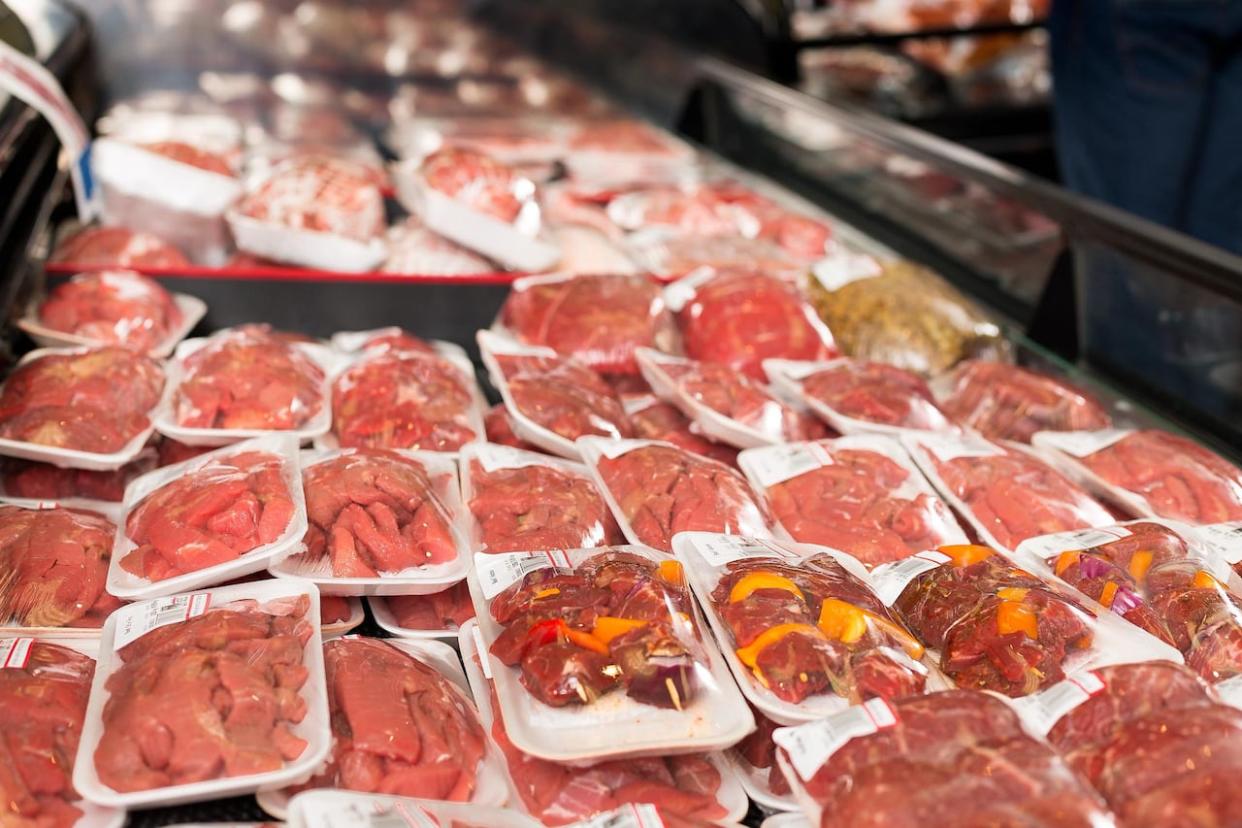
point(762, 580)
point(1204, 580)
point(546, 593)
point(1013, 593)
point(671, 572)
point(1139, 564)
point(608, 627)
point(585, 640)
point(1014, 616)
point(749, 655)
point(1065, 560)
point(1108, 594)
point(842, 621)
point(965, 554)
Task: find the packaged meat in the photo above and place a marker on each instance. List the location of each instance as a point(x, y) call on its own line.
point(586, 250)
point(340, 615)
point(741, 318)
point(800, 626)
point(314, 211)
point(391, 339)
point(246, 382)
point(590, 643)
point(498, 426)
point(30, 483)
point(686, 789)
point(91, 247)
point(1151, 473)
point(520, 501)
point(343, 809)
point(656, 490)
point(1005, 402)
point(670, 257)
point(87, 408)
point(959, 757)
point(169, 451)
point(1006, 493)
point(901, 314)
point(727, 405)
point(219, 516)
point(603, 154)
point(653, 419)
point(511, 141)
point(995, 626)
point(113, 307)
point(854, 396)
point(379, 522)
point(206, 695)
point(551, 400)
point(414, 249)
point(861, 494)
point(598, 320)
point(436, 616)
point(754, 761)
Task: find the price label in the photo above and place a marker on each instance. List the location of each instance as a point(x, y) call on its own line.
point(809, 746)
point(136, 620)
point(629, 816)
point(891, 579)
point(497, 572)
point(1081, 443)
point(493, 457)
point(1224, 539)
point(1043, 710)
point(1048, 546)
point(719, 550)
point(776, 464)
point(15, 652)
point(842, 267)
point(946, 447)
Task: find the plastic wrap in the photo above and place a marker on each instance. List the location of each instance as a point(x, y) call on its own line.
point(598, 320)
point(656, 490)
point(438, 615)
point(626, 153)
point(860, 494)
point(498, 426)
point(29, 482)
point(391, 339)
point(1005, 402)
point(338, 809)
point(671, 257)
point(1006, 493)
point(754, 762)
point(116, 247)
point(653, 419)
point(521, 501)
point(508, 140)
point(588, 644)
point(414, 248)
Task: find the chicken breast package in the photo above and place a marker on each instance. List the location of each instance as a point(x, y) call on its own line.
point(861, 494)
point(601, 654)
point(437, 617)
point(1005, 492)
point(652, 418)
point(210, 519)
point(683, 788)
point(44, 686)
point(754, 761)
point(379, 522)
point(84, 408)
point(521, 501)
point(206, 695)
point(346, 809)
point(991, 625)
point(726, 405)
point(656, 490)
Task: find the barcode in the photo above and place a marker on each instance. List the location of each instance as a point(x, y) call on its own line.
point(14, 653)
point(137, 620)
point(810, 746)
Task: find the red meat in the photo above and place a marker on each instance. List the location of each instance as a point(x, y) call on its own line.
point(43, 481)
point(680, 256)
point(114, 307)
point(653, 419)
point(334, 609)
point(396, 339)
point(374, 511)
point(197, 157)
point(876, 393)
point(322, 194)
point(475, 179)
point(563, 396)
point(170, 451)
point(759, 751)
point(499, 429)
point(117, 247)
point(439, 611)
point(621, 136)
point(209, 516)
point(1006, 402)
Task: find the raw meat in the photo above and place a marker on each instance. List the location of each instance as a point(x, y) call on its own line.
point(333, 609)
point(499, 429)
point(439, 611)
point(759, 751)
point(209, 516)
point(1006, 402)
point(1178, 478)
point(876, 393)
point(388, 340)
point(43, 481)
point(112, 307)
point(621, 137)
point(170, 451)
point(414, 249)
point(117, 247)
point(197, 157)
point(478, 181)
point(97, 400)
point(373, 511)
point(53, 564)
point(248, 378)
point(996, 627)
point(679, 256)
point(398, 726)
point(42, 706)
point(538, 507)
point(743, 318)
point(662, 490)
point(654, 419)
point(321, 194)
point(810, 628)
point(404, 401)
point(597, 320)
point(209, 697)
point(564, 396)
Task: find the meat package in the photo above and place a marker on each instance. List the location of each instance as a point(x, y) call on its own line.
point(219, 516)
point(1006, 493)
point(113, 307)
point(245, 382)
point(436, 616)
point(340, 614)
point(346, 809)
point(414, 248)
point(754, 761)
point(598, 320)
point(380, 522)
point(605, 153)
point(800, 626)
point(1006, 402)
point(87, 408)
point(727, 406)
point(32, 483)
point(653, 419)
point(387, 340)
point(498, 426)
point(588, 644)
point(521, 501)
point(656, 490)
point(552, 400)
point(860, 494)
point(687, 789)
point(740, 318)
point(110, 246)
point(671, 258)
point(995, 626)
point(854, 396)
point(206, 695)
point(958, 757)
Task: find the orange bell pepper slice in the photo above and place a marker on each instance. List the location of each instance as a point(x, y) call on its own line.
point(844, 622)
point(1139, 564)
point(671, 572)
point(608, 627)
point(546, 593)
point(1015, 616)
point(749, 584)
point(749, 655)
point(585, 640)
point(1204, 580)
point(1012, 593)
point(965, 554)
point(1065, 560)
point(1108, 594)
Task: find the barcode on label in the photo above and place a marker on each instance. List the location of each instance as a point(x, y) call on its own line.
point(776, 464)
point(497, 572)
point(809, 746)
point(137, 620)
point(891, 579)
point(411, 815)
point(15, 652)
point(628, 816)
point(842, 267)
point(719, 550)
point(1049, 546)
point(480, 649)
point(1043, 710)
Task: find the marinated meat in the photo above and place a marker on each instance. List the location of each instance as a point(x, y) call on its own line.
point(478, 181)
point(876, 393)
point(653, 419)
point(403, 400)
point(563, 396)
point(248, 378)
point(759, 751)
point(117, 247)
point(499, 429)
point(810, 628)
point(210, 697)
point(42, 706)
point(996, 627)
point(662, 490)
point(321, 194)
point(112, 307)
point(43, 481)
point(1005, 402)
point(439, 611)
point(96, 401)
point(209, 516)
point(54, 563)
point(372, 511)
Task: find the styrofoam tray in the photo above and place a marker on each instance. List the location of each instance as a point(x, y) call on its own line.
point(786, 820)
point(357, 615)
point(1064, 450)
point(140, 173)
point(755, 782)
point(192, 310)
point(308, 248)
point(313, 728)
point(388, 622)
point(343, 809)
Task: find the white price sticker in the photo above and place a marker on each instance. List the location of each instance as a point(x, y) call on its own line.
point(612, 449)
point(497, 572)
point(1081, 443)
point(1049, 546)
point(683, 290)
point(1224, 539)
point(771, 465)
point(362, 815)
point(628, 816)
point(719, 550)
point(493, 457)
point(136, 620)
point(946, 447)
point(809, 746)
point(15, 652)
point(891, 579)
point(1043, 710)
point(842, 267)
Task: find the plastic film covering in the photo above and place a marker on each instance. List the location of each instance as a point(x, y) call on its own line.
point(113, 307)
point(320, 194)
point(872, 394)
point(562, 396)
point(31, 480)
point(653, 419)
point(90, 247)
